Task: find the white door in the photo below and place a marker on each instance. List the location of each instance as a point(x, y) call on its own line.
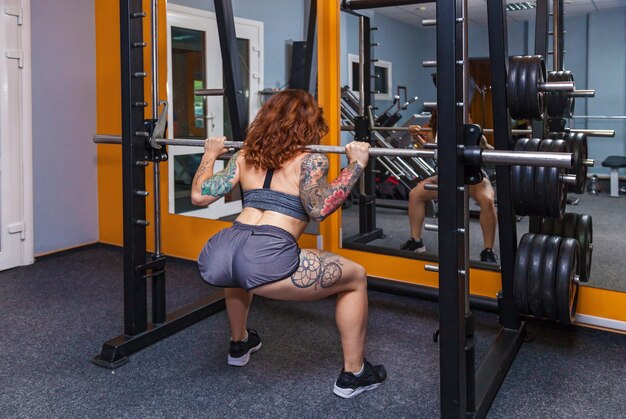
point(16, 244)
point(194, 62)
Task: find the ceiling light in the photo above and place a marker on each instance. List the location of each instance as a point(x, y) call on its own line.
point(524, 5)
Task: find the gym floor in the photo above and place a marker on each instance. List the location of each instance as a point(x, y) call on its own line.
point(58, 312)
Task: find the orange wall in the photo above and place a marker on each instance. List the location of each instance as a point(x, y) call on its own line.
point(184, 236)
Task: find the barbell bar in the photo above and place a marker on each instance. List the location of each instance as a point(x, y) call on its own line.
point(560, 160)
point(588, 132)
point(426, 129)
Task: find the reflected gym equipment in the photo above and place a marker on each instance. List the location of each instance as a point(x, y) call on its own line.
point(546, 279)
point(575, 226)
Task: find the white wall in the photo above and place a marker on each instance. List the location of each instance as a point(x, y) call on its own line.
point(64, 121)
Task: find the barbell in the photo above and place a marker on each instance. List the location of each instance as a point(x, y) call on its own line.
point(526, 131)
point(497, 157)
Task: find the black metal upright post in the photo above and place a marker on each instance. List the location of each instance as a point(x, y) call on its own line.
point(367, 197)
point(233, 82)
point(542, 36)
point(498, 53)
point(453, 368)
point(138, 332)
point(310, 62)
point(133, 151)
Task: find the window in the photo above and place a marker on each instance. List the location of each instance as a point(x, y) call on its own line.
point(382, 80)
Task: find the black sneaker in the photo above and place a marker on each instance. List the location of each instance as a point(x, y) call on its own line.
point(413, 245)
point(488, 256)
point(239, 353)
point(349, 385)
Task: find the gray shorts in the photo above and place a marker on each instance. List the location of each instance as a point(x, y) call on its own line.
point(248, 256)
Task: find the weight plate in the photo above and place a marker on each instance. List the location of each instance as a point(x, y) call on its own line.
point(541, 197)
point(560, 146)
point(547, 227)
point(584, 235)
point(528, 181)
point(557, 192)
point(581, 176)
point(569, 109)
point(556, 135)
point(574, 147)
point(520, 273)
point(535, 76)
point(516, 179)
point(553, 102)
point(534, 225)
point(566, 289)
point(548, 277)
point(511, 87)
point(522, 80)
point(535, 272)
point(569, 223)
point(558, 103)
point(557, 227)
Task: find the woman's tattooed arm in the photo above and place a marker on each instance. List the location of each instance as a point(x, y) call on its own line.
point(320, 198)
point(208, 187)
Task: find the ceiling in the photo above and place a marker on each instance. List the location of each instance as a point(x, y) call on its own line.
point(414, 14)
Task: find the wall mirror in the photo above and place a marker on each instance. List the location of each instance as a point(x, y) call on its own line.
point(399, 39)
point(271, 50)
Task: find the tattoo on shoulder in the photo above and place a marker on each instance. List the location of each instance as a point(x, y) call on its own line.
point(221, 183)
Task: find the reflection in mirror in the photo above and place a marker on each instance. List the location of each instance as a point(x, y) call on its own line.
point(402, 41)
point(271, 37)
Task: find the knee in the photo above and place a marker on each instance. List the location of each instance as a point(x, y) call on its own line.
point(416, 195)
point(359, 277)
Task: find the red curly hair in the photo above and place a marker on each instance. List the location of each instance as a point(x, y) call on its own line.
point(287, 123)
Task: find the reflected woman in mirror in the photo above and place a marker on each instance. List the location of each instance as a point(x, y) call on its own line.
point(482, 193)
point(284, 187)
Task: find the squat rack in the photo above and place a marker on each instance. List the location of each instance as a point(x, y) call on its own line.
point(139, 149)
point(465, 392)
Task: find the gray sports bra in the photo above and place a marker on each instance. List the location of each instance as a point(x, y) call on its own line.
point(267, 199)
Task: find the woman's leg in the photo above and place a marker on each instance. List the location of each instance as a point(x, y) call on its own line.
point(320, 275)
point(483, 194)
point(237, 307)
point(417, 206)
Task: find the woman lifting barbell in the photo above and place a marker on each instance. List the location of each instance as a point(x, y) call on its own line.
point(482, 193)
point(284, 187)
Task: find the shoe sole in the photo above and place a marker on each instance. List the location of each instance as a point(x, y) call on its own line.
point(242, 361)
point(348, 393)
point(420, 250)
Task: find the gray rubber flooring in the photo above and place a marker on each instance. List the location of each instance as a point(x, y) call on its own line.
point(57, 313)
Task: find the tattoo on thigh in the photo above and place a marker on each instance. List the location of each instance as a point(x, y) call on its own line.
point(323, 270)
